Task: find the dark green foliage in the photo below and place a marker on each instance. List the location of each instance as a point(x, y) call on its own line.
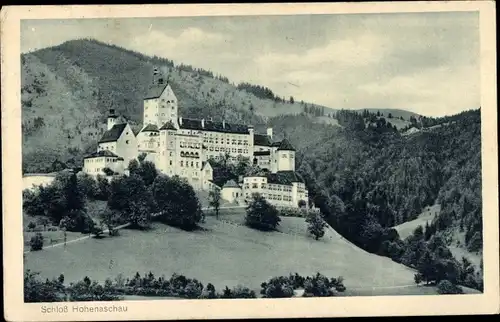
point(88, 185)
point(38, 291)
point(447, 287)
point(366, 177)
point(107, 171)
point(31, 226)
point(316, 225)
point(215, 199)
point(130, 197)
point(177, 202)
point(320, 286)
point(87, 290)
point(223, 170)
point(36, 242)
point(62, 198)
point(238, 292)
point(111, 218)
point(103, 188)
point(277, 287)
point(261, 214)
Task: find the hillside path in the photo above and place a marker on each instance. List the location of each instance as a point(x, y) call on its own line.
point(107, 231)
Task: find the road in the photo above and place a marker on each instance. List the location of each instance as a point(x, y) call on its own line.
point(118, 227)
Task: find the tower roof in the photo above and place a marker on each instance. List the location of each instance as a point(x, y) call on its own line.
point(168, 126)
point(113, 134)
point(285, 145)
point(231, 184)
point(150, 128)
point(155, 90)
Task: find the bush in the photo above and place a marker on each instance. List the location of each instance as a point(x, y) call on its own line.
point(447, 287)
point(316, 225)
point(261, 214)
point(238, 292)
point(31, 226)
point(36, 242)
point(277, 287)
point(320, 286)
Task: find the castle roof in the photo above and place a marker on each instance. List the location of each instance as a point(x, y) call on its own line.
point(102, 153)
point(285, 145)
point(260, 153)
point(231, 184)
point(113, 134)
point(261, 139)
point(150, 128)
point(276, 144)
point(154, 91)
point(284, 178)
point(168, 126)
point(224, 127)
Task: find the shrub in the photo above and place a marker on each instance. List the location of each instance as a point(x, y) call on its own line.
point(238, 292)
point(447, 287)
point(261, 214)
point(209, 292)
point(320, 286)
point(36, 242)
point(31, 226)
point(277, 287)
point(316, 225)
point(417, 278)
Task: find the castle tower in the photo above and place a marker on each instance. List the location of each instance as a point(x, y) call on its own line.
point(111, 119)
point(285, 156)
point(160, 102)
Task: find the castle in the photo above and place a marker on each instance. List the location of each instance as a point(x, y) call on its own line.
point(185, 147)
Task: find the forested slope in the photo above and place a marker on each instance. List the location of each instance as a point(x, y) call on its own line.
point(67, 90)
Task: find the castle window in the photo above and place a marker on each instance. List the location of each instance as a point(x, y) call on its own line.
point(192, 164)
point(127, 141)
point(170, 162)
point(182, 163)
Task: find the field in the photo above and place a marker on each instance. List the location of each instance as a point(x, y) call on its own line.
point(57, 236)
point(406, 229)
point(224, 253)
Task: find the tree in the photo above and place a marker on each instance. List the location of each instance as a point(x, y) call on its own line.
point(177, 202)
point(426, 267)
point(277, 287)
point(107, 171)
point(148, 172)
point(292, 100)
point(110, 218)
point(316, 225)
point(215, 197)
point(36, 242)
point(447, 287)
point(302, 203)
point(38, 291)
point(103, 187)
point(261, 214)
point(130, 197)
point(31, 226)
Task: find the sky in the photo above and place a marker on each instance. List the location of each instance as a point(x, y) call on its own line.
point(427, 63)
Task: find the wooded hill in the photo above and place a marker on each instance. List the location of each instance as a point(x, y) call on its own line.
point(367, 177)
point(66, 92)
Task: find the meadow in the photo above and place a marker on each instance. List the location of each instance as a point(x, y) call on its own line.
point(223, 253)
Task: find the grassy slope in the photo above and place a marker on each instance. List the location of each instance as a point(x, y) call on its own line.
point(225, 254)
point(406, 229)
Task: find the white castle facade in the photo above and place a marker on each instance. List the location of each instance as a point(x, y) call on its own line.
point(186, 147)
